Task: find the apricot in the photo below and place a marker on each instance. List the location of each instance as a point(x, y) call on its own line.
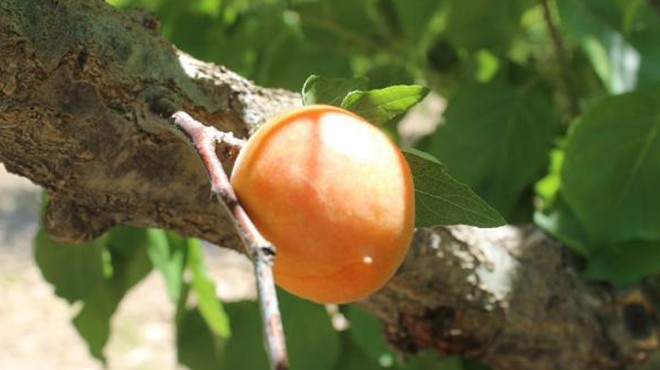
point(335, 197)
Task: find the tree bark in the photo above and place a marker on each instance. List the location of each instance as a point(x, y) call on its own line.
point(83, 92)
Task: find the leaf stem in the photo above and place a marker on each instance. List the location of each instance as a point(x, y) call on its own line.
point(205, 140)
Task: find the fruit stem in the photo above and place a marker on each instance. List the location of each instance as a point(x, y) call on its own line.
point(205, 140)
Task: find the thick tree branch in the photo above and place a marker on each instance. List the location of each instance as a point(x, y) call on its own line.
point(83, 92)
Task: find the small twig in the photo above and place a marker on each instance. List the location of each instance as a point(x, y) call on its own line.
point(573, 99)
point(205, 139)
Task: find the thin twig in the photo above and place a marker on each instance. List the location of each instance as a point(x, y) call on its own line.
point(262, 253)
point(573, 99)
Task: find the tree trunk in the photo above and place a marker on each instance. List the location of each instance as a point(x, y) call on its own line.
point(82, 87)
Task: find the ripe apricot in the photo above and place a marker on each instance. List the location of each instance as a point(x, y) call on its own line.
point(335, 197)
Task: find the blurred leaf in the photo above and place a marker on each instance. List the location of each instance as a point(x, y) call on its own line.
point(611, 171)
point(167, 252)
point(416, 20)
point(560, 221)
point(353, 358)
point(312, 341)
point(197, 347)
point(245, 349)
point(596, 24)
point(380, 106)
point(442, 200)
point(548, 187)
point(501, 19)
point(130, 264)
point(366, 332)
point(208, 303)
point(323, 90)
point(626, 263)
point(74, 270)
point(496, 139)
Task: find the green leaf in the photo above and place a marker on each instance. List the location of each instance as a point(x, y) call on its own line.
point(611, 172)
point(167, 252)
point(245, 349)
point(127, 248)
point(560, 221)
point(442, 200)
point(496, 138)
point(626, 263)
point(352, 357)
point(312, 341)
point(417, 20)
point(197, 347)
point(367, 333)
point(74, 270)
point(469, 20)
point(382, 105)
point(208, 303)
point(332, 91)
point(596, 24)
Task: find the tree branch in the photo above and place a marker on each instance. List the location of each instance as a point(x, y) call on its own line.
point(262, 253)
point(83, 89)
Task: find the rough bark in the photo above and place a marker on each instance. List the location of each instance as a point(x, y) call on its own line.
point(81, 89)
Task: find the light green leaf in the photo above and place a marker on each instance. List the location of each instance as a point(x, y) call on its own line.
point(74, 270)
point(611, 172)
point(442, 200)
point(208, 303)
point(167, 252)
point(496, 139)
point(127, 248)
point(380, 106)
point(332, 91)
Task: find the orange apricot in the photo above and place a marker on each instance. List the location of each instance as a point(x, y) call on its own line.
point(335, 197)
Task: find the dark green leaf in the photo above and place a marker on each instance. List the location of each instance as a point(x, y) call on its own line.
point(353, 358)
point(442, 200)
point(312, 341)
point(167, 252)
point(208, 303)
point(74, 270)
point(367, 333)
point(332, 91)
point(197, 347)
point(416, 20)
point(611, 172)
point(245, 349)
point(469, 20)
point(560, 221)
point(625, 263)
point(127, 249)
point(380, 106)
point(496, 139)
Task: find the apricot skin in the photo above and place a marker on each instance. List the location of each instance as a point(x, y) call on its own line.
point(335, 197)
